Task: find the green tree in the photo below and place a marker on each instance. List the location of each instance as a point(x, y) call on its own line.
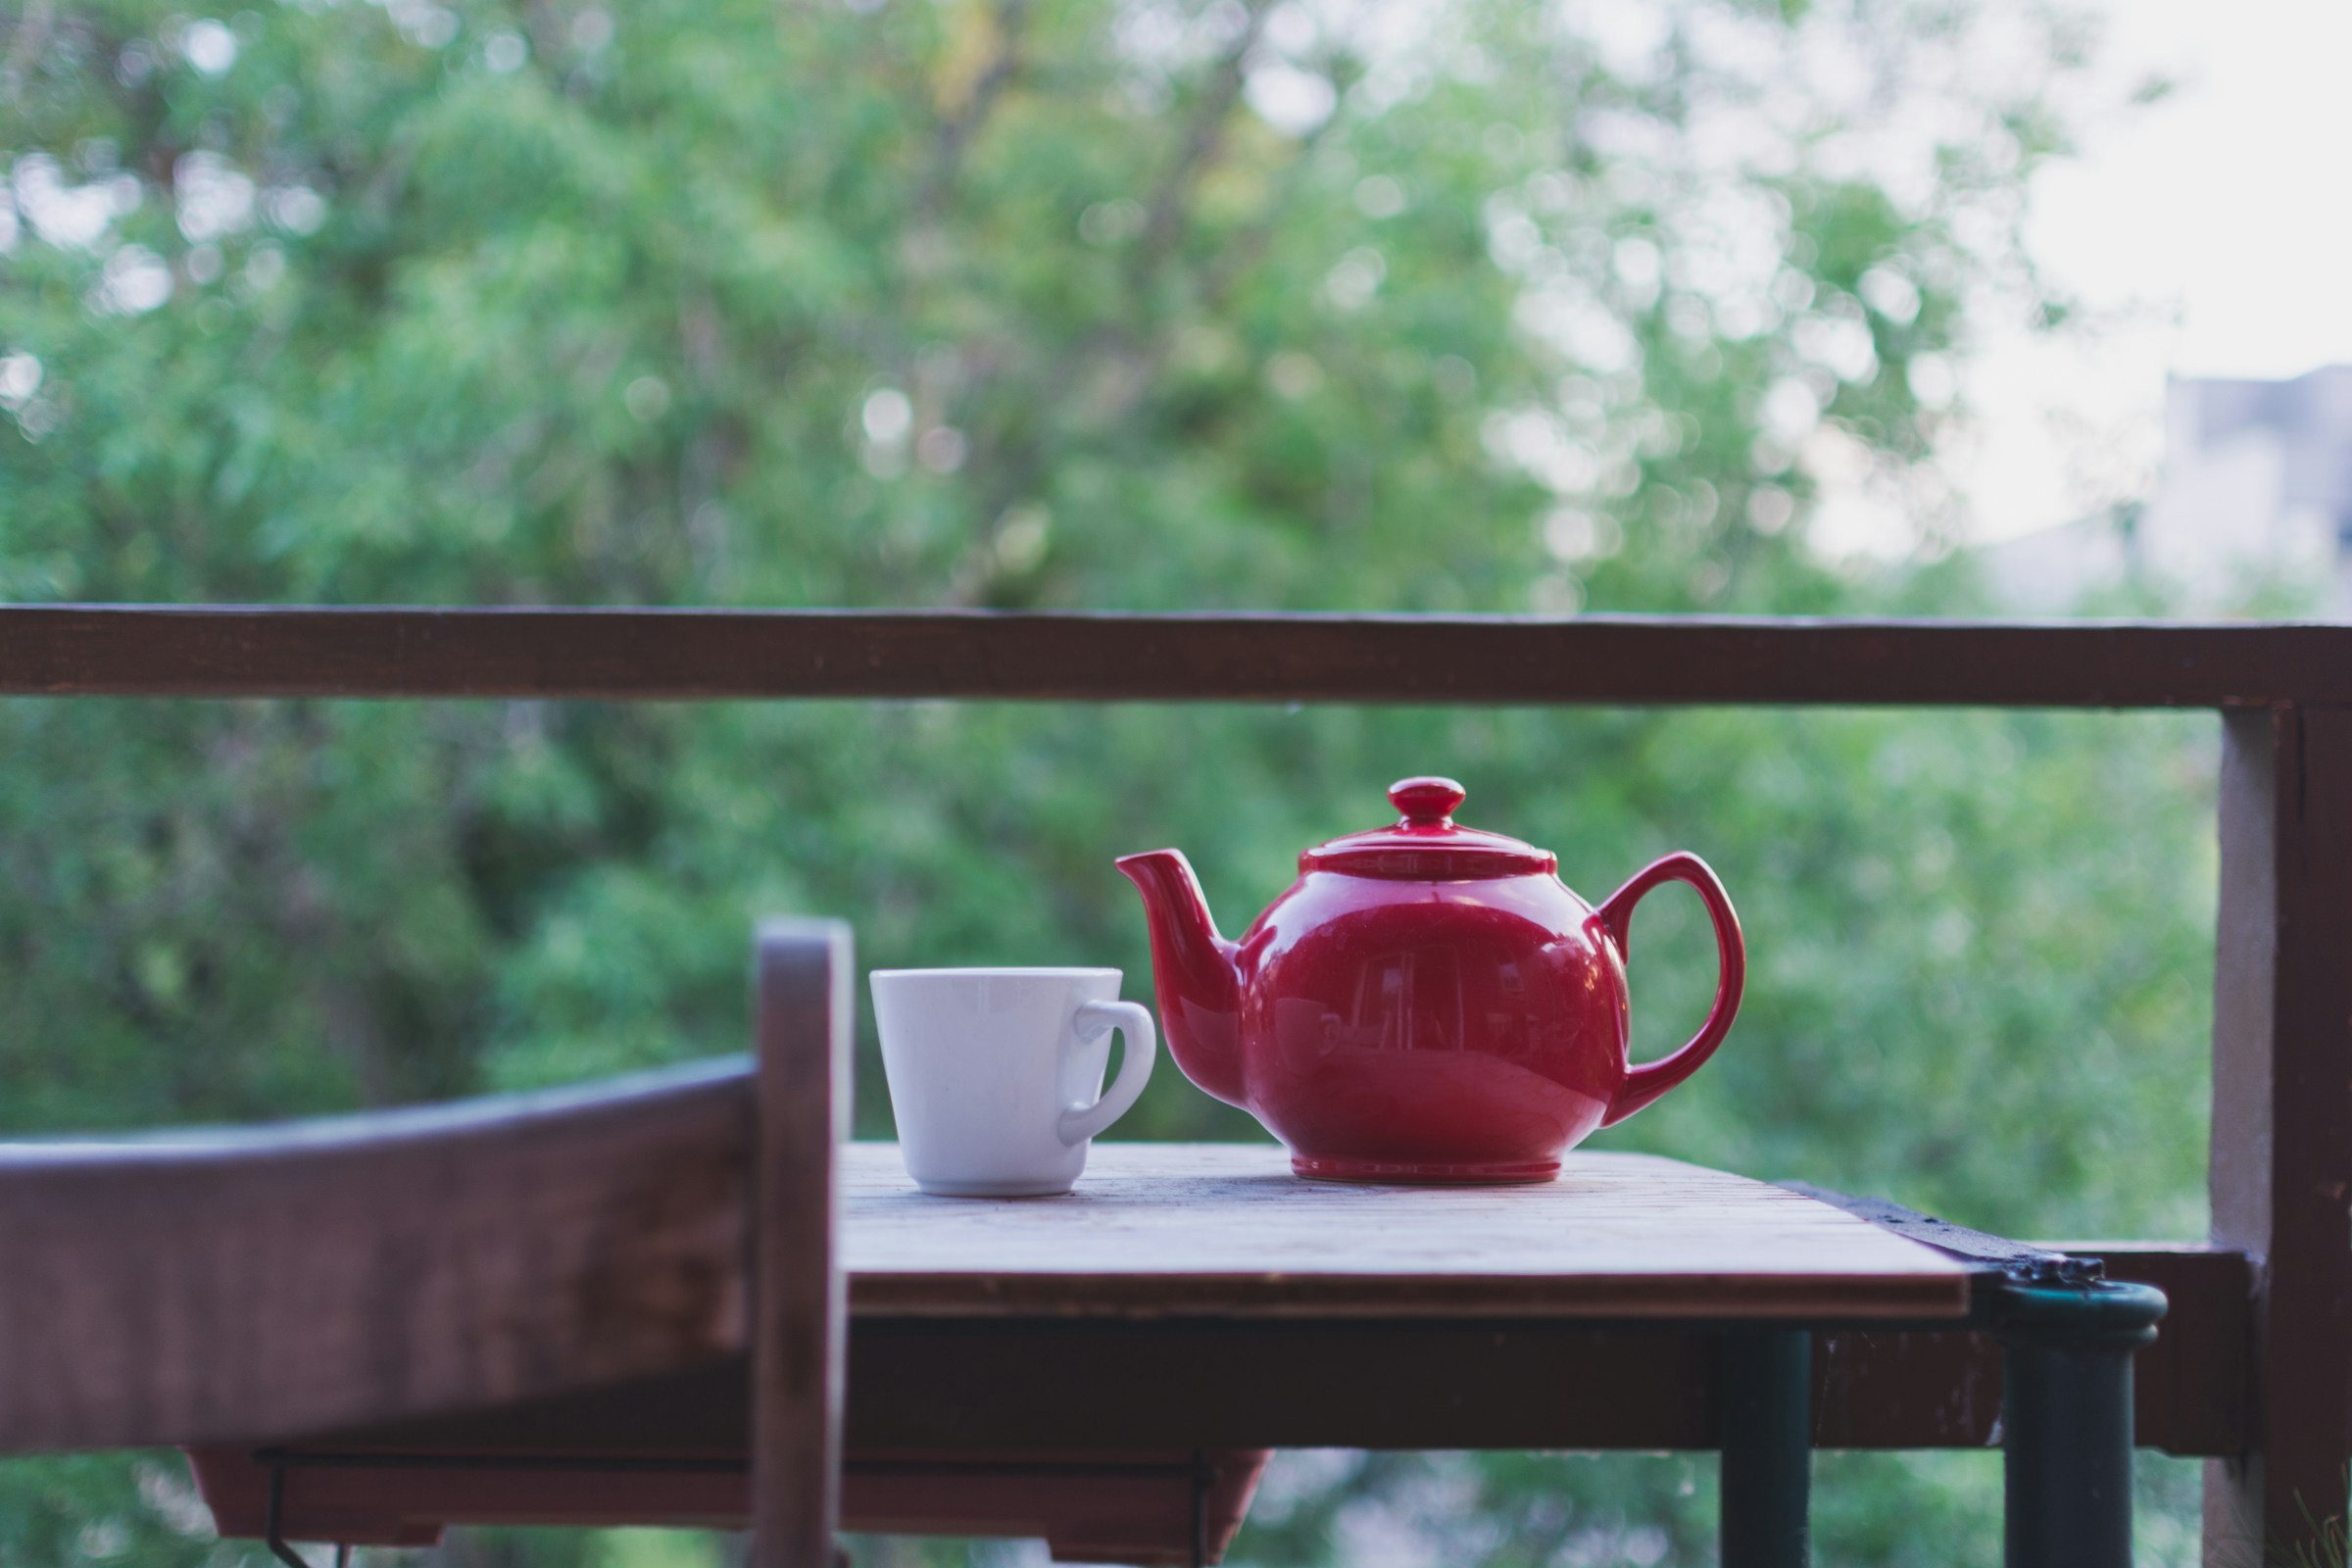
point(1494, 305)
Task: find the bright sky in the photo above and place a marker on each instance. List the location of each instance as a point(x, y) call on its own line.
point(2218, 222)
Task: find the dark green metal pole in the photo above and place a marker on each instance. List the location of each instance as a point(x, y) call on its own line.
point(2066, 1418)
point(1767, 1474)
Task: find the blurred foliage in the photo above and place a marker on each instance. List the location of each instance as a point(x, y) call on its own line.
point(1494, 305)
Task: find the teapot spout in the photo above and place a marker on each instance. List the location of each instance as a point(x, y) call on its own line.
point(1193, 972)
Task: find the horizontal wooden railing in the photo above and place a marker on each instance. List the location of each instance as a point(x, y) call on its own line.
point(93, 650)
point(2281, 1158)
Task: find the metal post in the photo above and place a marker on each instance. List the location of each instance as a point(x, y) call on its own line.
point(2066, 1418)
point(1767, 1423)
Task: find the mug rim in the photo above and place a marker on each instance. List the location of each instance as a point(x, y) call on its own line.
point(1014, 972)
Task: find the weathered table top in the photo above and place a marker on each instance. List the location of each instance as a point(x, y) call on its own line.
point(1226, 1230)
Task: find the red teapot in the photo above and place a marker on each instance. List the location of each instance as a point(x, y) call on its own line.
point(1427, 1003)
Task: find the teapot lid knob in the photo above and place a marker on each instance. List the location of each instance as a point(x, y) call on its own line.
point(1428, 846)
point(1426, 802)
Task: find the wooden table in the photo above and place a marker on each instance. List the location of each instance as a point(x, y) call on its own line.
point(1225, 1230)
point(1310, 1294)
point(1199, 1298)
point(1202, 1293)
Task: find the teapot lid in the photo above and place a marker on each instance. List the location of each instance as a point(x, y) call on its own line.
point(1425, 845)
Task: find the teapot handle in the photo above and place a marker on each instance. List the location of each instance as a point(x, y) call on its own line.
point(1651, 1079)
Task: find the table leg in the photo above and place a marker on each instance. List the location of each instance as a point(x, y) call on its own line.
point(2066, 1419)
point(1767, 1473)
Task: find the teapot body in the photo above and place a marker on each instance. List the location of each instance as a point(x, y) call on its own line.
point(1469, 1031)
point(1427, 1003)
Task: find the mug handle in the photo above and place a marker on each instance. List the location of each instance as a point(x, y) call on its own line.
point(1134, 1020)
point(1649, 1080)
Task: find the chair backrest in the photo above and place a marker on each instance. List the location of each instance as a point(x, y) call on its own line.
point(258, 1285)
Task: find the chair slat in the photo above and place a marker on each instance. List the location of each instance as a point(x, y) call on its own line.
point(249, 1285)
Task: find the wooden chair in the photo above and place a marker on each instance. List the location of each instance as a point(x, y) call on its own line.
point(247, 1287)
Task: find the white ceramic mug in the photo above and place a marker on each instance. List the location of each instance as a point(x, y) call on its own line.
point(996, 1075)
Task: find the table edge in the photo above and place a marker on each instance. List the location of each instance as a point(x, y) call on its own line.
point(1618, 1297)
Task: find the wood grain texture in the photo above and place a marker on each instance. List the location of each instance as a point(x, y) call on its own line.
point(257, 1284)
point(2282, 1153)
point(802, 974)
point(388, 651)
point(1157, 1229)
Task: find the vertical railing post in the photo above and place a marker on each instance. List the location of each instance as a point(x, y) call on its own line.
point(802, 1001)
point(2282, 1152)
